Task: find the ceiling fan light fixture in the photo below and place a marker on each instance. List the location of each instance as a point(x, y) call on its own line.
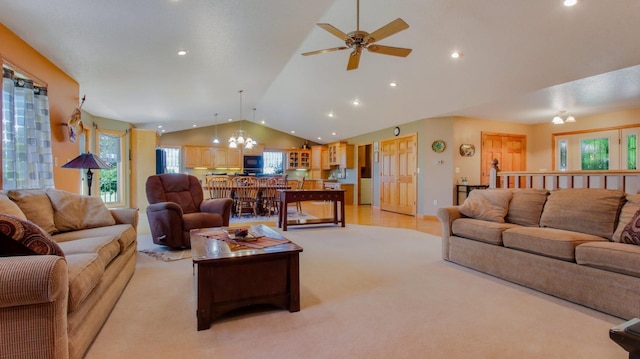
point(570, 118)
point(569, 3)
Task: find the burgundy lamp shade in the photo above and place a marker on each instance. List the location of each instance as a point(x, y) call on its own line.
point(86, 161)
point(89, 161)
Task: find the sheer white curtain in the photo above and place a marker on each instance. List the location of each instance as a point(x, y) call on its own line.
point(27, 159)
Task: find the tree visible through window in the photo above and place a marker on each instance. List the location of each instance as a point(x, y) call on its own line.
point(594, 153)
point(273, 162)
point(632, 151)
point(111, 147)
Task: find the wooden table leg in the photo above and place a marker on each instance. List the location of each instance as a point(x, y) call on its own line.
point(284, 214)
point(342, 212)
point(294, 283)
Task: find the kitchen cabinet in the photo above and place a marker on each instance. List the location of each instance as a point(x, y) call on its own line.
point(226, 157)
point(298, 159)
point(316, 157)
point(198, 156)
point(347, 187)
point(257, 150)
point(341, 154)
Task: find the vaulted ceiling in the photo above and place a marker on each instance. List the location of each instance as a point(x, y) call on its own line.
point(523, 61)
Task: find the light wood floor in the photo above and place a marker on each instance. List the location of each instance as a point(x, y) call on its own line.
point(370, 216)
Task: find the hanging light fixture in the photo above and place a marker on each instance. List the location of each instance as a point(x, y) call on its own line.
point(241, 137)
point(215, 139)
point(561, 118)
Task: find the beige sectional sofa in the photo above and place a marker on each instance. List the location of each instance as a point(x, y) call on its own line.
point(54, 306)
point(581, 245)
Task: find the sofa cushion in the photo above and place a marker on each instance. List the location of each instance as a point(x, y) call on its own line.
point(584, 210)
point(526, 206)
point(550, 242)
point(124, 233)
point(106, 247)
point(7, 206)
point(484, 231)
point(36, 206)
point(73, 211)
point(85, 271)
point(631, 232)
point(614, 257)
point(488, 204)
point(31, 237)
point(628, 211)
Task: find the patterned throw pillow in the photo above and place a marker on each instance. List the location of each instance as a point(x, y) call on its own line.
point(29, 235)
point(631, 232)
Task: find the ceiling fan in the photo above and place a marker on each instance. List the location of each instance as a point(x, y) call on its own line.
point(358, 40)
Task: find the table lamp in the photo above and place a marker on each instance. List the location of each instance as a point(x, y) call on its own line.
point(89, 161)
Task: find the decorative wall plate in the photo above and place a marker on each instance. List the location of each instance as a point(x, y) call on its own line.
point(467, 150)
point(438, 146)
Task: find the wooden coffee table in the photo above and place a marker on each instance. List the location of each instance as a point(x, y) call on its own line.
point(228, 279)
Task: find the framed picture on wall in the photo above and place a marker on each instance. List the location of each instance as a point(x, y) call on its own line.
point(467, 150)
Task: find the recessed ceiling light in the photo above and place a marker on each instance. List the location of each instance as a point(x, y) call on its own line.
point(456, 55)
point(293, 131)
point(262, 122)
point(569, 3)
point(393, 84)
point(319, 138)
point(159, 126)
point(182, 52)
point(333, 133)
point(230, 119)
point(356, 102)
point(195, 125)
point(330, 114)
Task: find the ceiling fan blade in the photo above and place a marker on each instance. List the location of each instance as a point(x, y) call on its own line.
point(389, 50)
point(325, 50)
point(354, 60)
point(387, 30)
point(337, 33)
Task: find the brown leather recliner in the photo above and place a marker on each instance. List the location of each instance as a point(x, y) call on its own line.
point(176, 206)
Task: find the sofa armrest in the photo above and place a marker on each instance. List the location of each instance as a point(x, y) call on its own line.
point(33, 307)
point(221, 206)
point(447, 215)
point(35, 279)
point(125, 216)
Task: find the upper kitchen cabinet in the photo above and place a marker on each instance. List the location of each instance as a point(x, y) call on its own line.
point(341, 154)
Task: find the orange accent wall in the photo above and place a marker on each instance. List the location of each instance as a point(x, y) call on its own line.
point(64, 97)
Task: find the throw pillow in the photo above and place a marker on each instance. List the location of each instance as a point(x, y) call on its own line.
point(487, 204)
point(631, 232)
point(586, 210)
point(626, 214)
point(29, 235)
point(74, 212)
point(7, 206)
point(36, 206)
point(526, 206)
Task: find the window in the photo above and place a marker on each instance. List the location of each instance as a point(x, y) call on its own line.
point(27, 160)
point(632, 151)
point(273, 162)
point(594, 154)
point(111, 181)
point(173, 159)
point(563, 155)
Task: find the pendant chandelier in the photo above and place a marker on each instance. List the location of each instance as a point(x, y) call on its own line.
point(215, 139)
point(241, 137)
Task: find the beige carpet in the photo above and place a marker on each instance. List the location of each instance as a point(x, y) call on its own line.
point(366, 292)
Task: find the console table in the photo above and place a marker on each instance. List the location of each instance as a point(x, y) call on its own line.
point(467, 188)
point(298, 195)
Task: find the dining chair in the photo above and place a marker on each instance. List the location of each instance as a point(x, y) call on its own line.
point(299, 185)
point(270, 196)
point(246, 189)
point(219, 186)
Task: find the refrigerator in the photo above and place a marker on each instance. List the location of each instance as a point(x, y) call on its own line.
point(161, 161)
